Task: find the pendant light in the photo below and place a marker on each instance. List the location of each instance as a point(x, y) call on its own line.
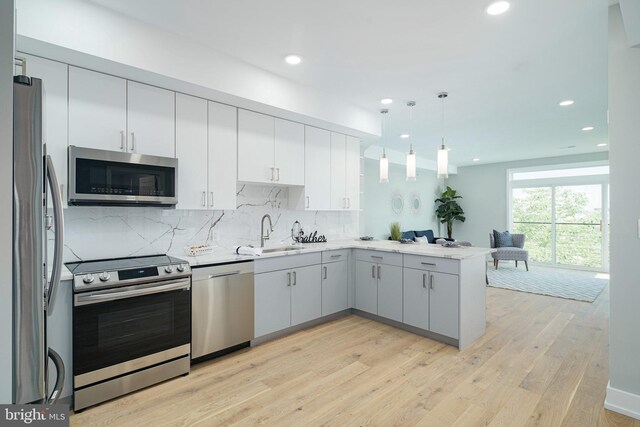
point(443, 153)
point(411, 157)
point(384, 162)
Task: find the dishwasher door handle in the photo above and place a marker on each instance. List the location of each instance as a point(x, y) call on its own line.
point(232, 273)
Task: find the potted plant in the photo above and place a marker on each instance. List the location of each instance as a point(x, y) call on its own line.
point(449, 210)
point(396, 231)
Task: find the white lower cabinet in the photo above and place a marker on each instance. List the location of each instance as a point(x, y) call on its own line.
point(389, 291)
point(443, 304)
point(306, 294)
point(272, 296)
point(431, 301)
point(366, 287)
point(335, 287)
point(379, 289)
point(286, 298)
point(416, 298)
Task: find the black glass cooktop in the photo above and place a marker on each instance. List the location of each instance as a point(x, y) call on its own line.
point(116, 264)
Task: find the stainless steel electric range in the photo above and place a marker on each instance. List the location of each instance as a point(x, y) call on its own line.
point(131, 325)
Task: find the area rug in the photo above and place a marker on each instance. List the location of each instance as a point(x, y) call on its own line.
point(570, 284)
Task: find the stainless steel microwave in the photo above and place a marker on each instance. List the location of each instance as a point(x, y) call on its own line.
point(101, 177)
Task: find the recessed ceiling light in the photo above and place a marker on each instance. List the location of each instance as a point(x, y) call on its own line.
point(498, 7)
point(404, 135)
point(293, 59)
point(602, 144)
point(588, 128)
point(476, 159)
point(386, 101)
point(566, 102)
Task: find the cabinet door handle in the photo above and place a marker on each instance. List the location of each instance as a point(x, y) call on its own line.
point(325, 273)
point(277, 174)
point(122, 141)
point(431, 281)
point(424, 280)
point(428, 263)
point(335, 256)
point(288, 279)
point(348, 202)
point(133, 141)
point(379, 270)
point(376, 257)
point(273, 176)
point(211, 202)
point(204, 199)
point(295, 279)
point(307, 202)
point(373, 271)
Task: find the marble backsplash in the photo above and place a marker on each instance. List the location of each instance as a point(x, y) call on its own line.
point(110, 232)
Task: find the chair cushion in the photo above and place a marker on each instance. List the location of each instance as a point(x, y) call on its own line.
point(426, 233)
point(409, 235)
point(503, 239)
point(511, 254)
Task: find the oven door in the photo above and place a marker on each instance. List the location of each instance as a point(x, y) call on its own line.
point(116, 331)
point(100, 177)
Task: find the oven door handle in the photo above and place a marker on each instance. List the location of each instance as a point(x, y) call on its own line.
point(131, 291)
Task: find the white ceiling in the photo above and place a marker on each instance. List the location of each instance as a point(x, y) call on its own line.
point(505, 74)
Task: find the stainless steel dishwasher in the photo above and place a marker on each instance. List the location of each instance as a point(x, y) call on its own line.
point(222, 309)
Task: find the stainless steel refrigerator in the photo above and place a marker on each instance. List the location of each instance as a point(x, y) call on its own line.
point(34, 182)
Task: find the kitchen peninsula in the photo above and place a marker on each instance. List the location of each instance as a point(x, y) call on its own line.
point(427, 289)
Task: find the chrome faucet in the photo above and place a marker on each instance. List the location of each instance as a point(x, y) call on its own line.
point(264, 237)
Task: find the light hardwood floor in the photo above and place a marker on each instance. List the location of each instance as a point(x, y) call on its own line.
point(543, 361)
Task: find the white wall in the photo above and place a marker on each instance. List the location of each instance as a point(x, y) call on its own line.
point(484, 192)
point(377, 214)
point(6, 198)
point(623, 394)
point(85, 34)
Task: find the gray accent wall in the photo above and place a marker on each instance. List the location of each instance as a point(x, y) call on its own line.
point(6, 198)
point(624, 136)
point(377, 214)
point(484, 194)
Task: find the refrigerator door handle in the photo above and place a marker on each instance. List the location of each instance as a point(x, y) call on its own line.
point(57, 388)
point(58, 221)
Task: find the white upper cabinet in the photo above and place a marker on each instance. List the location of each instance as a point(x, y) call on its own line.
point(191, 147)
point(338, 174)
point(352, 170)
point(289, 159)
point(97, 110)
point(255, 147)
point(54, 77)
point(316, 193)
point(270, 150)
point(151, 120)
point(223, 160)
point(110, 113)
point(206, 151)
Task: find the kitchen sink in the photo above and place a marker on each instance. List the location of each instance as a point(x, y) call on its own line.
point(283, 249)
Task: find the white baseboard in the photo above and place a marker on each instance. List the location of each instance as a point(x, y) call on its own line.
point(622, 402)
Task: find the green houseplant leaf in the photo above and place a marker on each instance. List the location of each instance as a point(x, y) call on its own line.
point(448, 209)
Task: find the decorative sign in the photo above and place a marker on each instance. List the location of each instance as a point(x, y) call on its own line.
point(311, 238)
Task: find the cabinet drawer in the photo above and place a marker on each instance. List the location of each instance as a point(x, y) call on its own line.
point(333, 256)
point(379, 257)
point(286, 262)
point(430, 263)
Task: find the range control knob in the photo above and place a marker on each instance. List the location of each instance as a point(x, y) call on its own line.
point(104, 277)
point(182, 268)
point(168, 269)
point(88, 278)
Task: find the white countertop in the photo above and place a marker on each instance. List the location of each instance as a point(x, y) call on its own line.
point(227, 255)
point(224, 255)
